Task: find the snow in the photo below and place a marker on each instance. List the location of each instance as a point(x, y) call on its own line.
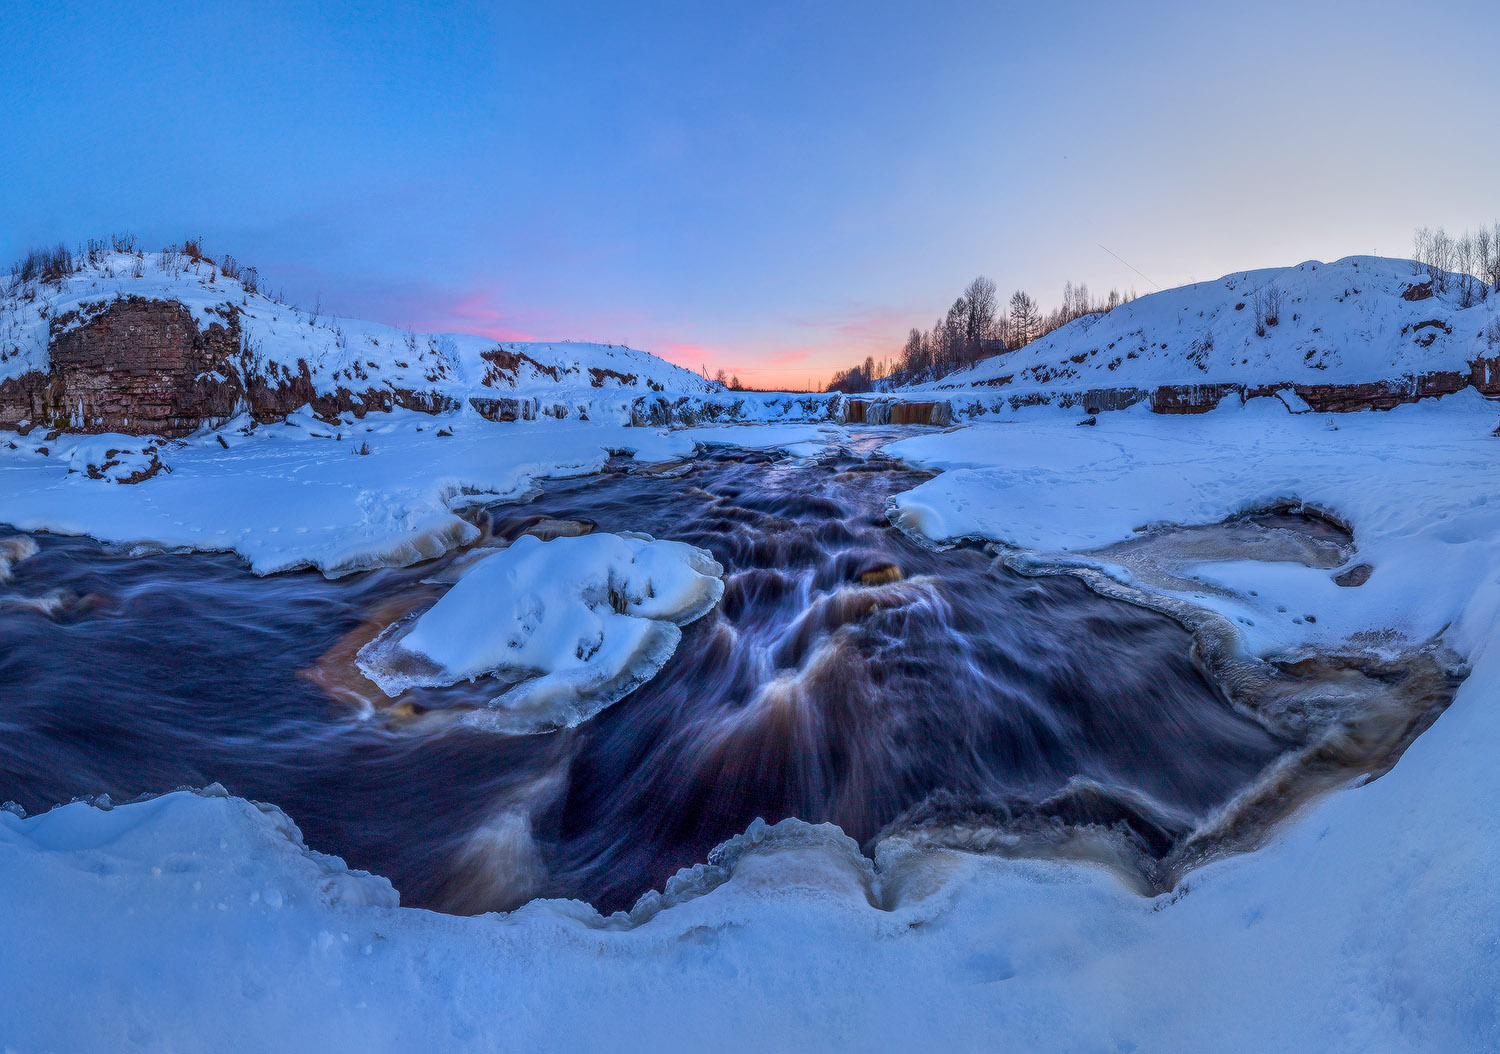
point(200, 921)
point(1366, 923)
point(383, 490)
point(599, 381)
point(1420, 485)
point(566, 627)
point(301, 494)
point(797, 440)
point(1340, 323)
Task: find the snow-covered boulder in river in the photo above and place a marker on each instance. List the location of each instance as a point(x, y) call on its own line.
point(564, 627)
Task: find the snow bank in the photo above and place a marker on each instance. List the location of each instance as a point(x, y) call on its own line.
point(1359, 319)
point(384, 490)
point(566, 626)
point(1419, 485)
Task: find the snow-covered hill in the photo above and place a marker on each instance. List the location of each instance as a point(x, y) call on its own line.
point(278, 346)
point(1360, 320)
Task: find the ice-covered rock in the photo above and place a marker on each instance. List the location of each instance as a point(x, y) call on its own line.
point(565, 627)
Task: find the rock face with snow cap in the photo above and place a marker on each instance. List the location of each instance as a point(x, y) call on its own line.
point(143, 366)
point(163, 343)
point(563, 627)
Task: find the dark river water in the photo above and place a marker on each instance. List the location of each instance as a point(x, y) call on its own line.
point(849, 675)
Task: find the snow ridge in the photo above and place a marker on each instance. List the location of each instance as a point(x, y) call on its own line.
point(1360, 319)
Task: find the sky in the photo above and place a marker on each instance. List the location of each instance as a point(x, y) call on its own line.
point(774, 189)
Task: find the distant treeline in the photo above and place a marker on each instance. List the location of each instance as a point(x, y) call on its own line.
point(975, 327)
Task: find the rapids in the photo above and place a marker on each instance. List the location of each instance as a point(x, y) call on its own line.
point(849, 675)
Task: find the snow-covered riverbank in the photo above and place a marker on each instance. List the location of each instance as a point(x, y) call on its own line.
point(1367, 923)
point(340, 498)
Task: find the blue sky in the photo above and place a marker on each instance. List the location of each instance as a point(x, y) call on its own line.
point(777, 189)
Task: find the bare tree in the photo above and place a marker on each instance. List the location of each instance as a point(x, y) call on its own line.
point(1484, 248)
point(1492, 269)
point(979, 315)
point(1463, 257)
point(1024, 316)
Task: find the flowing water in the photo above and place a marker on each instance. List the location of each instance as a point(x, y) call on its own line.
point(849, 674)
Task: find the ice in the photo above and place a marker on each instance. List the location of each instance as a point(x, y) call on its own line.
point(799, 440)
point(566, 626)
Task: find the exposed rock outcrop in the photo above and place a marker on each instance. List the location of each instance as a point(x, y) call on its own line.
point(875, 411)
point(148, 367)
point(142, 366)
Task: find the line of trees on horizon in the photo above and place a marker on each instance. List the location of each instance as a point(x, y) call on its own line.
point(975, 327)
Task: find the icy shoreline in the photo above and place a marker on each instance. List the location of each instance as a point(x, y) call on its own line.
point(383, 491)
point(1367, 922)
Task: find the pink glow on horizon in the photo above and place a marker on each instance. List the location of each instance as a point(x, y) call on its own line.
point(818, 346)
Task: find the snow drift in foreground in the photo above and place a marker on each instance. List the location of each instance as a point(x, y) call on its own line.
point(566, 627)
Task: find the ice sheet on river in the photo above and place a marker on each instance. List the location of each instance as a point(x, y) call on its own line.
point(565, 627)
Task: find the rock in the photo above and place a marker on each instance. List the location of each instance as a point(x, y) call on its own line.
point(146, 367)
point(1190, 398)
point(1357, 575)
point(881, 575)
point(890, 411)
point(547, 529)
point(505, 408)
point(142, 367)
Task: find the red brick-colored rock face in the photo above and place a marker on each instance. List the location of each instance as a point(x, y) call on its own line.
point(143, 366)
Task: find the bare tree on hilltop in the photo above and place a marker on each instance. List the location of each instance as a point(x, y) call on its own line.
point(1473, 260)
point(1024, 317)
point(973, 328)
